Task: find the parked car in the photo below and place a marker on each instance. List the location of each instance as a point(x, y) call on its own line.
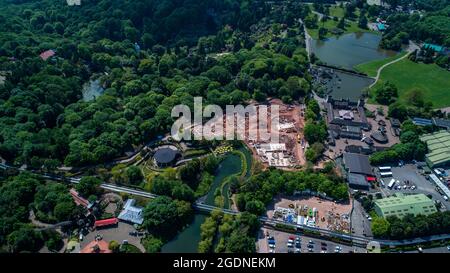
point(289, 245)
point(413, 187)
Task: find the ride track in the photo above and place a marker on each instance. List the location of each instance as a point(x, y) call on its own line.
point(264, 220)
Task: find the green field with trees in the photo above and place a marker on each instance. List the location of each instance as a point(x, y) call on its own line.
point(430, 80)
point(338, 19)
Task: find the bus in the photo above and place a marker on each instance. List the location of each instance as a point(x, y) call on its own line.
point(386, 174)
point(391, 184)
point(384, 169)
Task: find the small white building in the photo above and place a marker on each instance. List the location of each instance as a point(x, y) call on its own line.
point(131, 213)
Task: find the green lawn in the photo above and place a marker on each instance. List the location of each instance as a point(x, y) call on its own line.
point(371, 68)
point(432, 79)
point(336, 11)
point(350, 27)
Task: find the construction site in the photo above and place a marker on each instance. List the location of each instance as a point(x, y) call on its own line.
point(255, 126)
point(289, 151)
point(313, 212)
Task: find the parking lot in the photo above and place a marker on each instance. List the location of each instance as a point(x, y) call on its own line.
point(118, 234)
point(305, 244)
point(411, 181)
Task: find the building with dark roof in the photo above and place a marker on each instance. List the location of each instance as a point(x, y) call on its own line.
point(358, 170)
point(395, 123)
point(422, 122)
point(357, 163)
point(358, 181)
point(165, 156)
point(379, 137)
point(442, 123)
point(346, 118)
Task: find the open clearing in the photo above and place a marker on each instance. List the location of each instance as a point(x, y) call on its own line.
point(407, 75)
point(370, 68)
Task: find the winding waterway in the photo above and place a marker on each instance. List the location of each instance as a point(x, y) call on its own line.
point(187, 240)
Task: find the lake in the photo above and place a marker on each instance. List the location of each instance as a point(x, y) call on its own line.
point(349, 50)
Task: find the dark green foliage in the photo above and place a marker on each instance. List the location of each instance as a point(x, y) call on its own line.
point(411, 147)
point(88, 185)
point(164, 216)
point(134, 175)
point(53, 203)
point(173, 188)
point(264, 186)
point(411, 226)
point(386, 94)
point(42, 119)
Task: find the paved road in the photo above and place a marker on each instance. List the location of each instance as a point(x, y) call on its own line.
point(442, 249)
point(360, 224)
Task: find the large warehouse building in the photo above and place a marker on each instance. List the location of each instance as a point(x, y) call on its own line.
point(359, 171)
point(400, 205)
point(439, 148)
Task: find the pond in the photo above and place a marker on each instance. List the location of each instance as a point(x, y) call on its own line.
point(345, 85)
point(92, 90)
point(351, 49)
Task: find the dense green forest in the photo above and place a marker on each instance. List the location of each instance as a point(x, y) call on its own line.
point(432, 26)
point(147, 57)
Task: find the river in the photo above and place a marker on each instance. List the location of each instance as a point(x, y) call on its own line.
point(187, 240)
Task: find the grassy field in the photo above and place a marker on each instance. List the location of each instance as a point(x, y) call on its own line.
point(432, 79)
point(350, 27)
point(336, 11)
point(371, 68)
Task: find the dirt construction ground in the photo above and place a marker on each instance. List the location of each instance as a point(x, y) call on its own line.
point(324, 208)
